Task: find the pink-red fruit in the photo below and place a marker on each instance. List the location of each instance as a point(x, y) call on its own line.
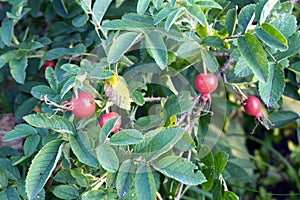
point(108, 116)
point(48, 63)
point(206, 83)
point(252, 106)
point(84, 105)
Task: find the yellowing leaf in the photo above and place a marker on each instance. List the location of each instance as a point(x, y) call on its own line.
point(117, 91)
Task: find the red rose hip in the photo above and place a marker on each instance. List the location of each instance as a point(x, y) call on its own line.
point(206, 83)
point(84, 105)
point(48, 63)
point(108, 116)
point(252, 106)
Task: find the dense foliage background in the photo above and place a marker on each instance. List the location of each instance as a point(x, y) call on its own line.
point(139, 58)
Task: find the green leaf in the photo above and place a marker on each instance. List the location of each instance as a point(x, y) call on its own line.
point(93, 195)
point(173, 16)
point(60, 51)
point(56, 123)
point(180, 169)
point(9, 194)
point(51, 78)
point(125, 178)
point(206, 156)
point(286, 24)
point(107, 158)
point(220, 161)
point(144, 183)
point(86, 5)
point(60, 8)
point(209, 60)
point(126, 137)
point(42, 166)
point(148, 122)
point(80, 20)
point(99, 9)
point(196, 12)
point(246, 17)
point(242, 69)
point(157, 48)
point(213, 41)
point(11, 171)
point(186, 143)
point(3, 178)
point(121, 45)
point(80, 177)
point(231, 21)
point(124, 25)
point(178, 104)
point(65, 192)
point(294, 47)
point(68, 85)
point(31, 143)
point(25, 108)
point(255, 56)
point(267, 8)
point(80, 145)
point(157, 4)
point(17, 69)
point(42, 90)
point(6, 31)
point(7, 56)
point(209, 4)
point(283, 118)
point(230, 196)
point(209, 174)
point(163, 142)
point(272, 90)
point(19, 131)
point(272, 37)
point(142, 6)
point(162, 14)
point(107, 128)
point(30, 46)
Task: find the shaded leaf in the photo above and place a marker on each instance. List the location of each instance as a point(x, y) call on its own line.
point(19, 131)
point(125, 178)
point(144, 183)
point(142, 6)
point(220, 161)
point(196, 12)
point(178, 104)
point(209, 60)
point(126, 137)
point(6, 31)
point(9, 194)
point(99, 9)
point(294, 47)
point(246, 17)
point(173, 16)
point(61, 51)
point(17, 69)
point(31, 143)
point(124, 25)
point(230, 21)
point(65, 192)
point(107, 128)
point(107, 158)
point(267, 8)
point(283, 118)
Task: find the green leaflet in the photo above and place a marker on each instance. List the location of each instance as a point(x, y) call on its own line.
point(107, 158)
point(144, 183)
point(125, 178)
point(42, 166)
point(180, 169)
point(271, 36)
point(272, 90)
point(230, 21)
point(255, 56)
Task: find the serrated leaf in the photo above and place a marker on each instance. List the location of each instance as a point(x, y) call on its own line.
point(126, 137)
point(56, 123)
point(267, 8)
point(196, 12)
point(255, 56)
point(157, 48)
point(17, 69)
point(42, 166)
point(272, 90)
point(107, 128)
point(7, 56)
point(124, 25)
point(6, 31)
point(220, 161)
point(125, 178)
point(107, 158)
point(162, 14)
point(42, 90)
point(173, 16)
point(283, 118)
point(61, 51)
point(93, 195)
point(30, 46)
point(80, 145)
point(180, 169)
point(99, 9)
point(121, 45)
point(209, 60)
point(157, 3)
point(30, 145)
point(271, 36)
point(241, 68)
point(213, 41)
point(19, 131)
point(11, 171)
point(294, 47)
point(209, 4)
point(51, 78)
point(178, 104)
point(68, 85)
point(148, 122)
point(142, 6)
point(286, 24)
point(25, 108)
point(163, 142)
point(246, 17)
point(9, 194)
point(65, 192)
point(230, 21)
point(144, 183)
point(186, 143)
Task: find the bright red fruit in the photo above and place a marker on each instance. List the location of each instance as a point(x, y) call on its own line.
point(108, 116)
point(84, 105)
point(252, 106)
point(49, 63)
point(206, 83)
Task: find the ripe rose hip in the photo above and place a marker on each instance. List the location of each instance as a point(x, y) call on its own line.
point(206, 83)
point(84, 105)
point(108, 116)
point(252, 106)
point(48, 63)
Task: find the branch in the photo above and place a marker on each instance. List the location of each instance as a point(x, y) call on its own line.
point(225, 67)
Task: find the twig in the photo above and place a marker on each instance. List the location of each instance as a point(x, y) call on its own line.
point(225, 67)
point(151, 99)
